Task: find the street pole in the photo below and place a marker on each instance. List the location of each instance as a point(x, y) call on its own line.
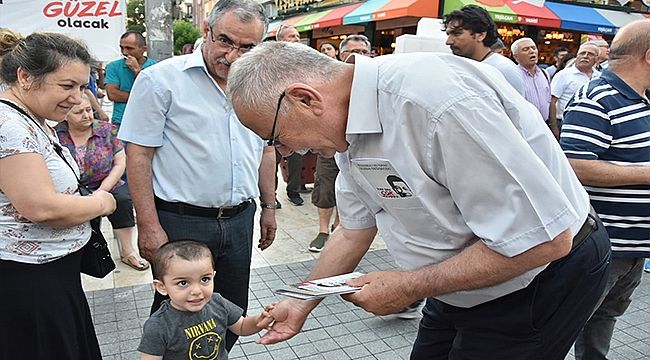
point(160, 38)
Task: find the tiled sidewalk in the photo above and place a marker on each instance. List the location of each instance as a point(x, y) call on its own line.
point(335, 330)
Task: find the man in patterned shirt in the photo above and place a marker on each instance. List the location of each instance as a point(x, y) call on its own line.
point(606, 136)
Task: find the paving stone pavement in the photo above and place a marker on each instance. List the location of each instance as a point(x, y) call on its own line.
point(335, 330)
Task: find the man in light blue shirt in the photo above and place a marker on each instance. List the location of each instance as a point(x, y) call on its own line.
point(193, 169)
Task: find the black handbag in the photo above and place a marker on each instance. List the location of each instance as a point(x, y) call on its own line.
point(96, 259)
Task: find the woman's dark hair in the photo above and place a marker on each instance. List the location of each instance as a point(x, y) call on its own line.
point(42, 53)
point(336, 48)
point(475, 19)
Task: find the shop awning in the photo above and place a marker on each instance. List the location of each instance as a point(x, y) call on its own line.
point(289, 21)
point(363, 14)
point(619, 18)
point(581, 18)
point(499, 13)
point(402, 8)
point(334, 17)
point(305, 23)
point(532, 15)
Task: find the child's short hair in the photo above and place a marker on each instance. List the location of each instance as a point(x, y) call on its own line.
point(190, 250)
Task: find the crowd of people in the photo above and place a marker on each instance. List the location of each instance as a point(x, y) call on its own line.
point(520, 245)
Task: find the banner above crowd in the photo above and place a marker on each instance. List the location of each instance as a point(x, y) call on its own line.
point(100, 23)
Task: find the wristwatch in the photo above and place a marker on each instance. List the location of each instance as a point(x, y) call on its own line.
point(268, 206)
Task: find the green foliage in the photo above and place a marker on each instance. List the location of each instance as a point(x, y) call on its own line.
point(184, 33)
point(135, 16)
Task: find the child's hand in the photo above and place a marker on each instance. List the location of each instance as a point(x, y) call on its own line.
point(265, 319)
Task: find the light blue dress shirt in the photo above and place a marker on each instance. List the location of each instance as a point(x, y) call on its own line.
point(204, 156)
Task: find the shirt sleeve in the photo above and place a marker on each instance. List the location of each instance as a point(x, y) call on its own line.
point(587, 130)
point(111, 76)
point(145, 114)
point(557, 85)
point(112, 135)
point(17, 138)
point(505, 193)
point(153, 340)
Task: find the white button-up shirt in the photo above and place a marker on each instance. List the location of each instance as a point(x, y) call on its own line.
point(565, 84)
point(478, 159)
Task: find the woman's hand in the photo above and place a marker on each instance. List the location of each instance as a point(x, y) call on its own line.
point(107, 201)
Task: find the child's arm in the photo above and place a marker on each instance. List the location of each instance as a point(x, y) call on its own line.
point(253, 324)
point(150, 357)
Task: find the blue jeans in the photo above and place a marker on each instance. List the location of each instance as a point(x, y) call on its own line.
point(593, 341)
point(231, 243)
point(540, 321)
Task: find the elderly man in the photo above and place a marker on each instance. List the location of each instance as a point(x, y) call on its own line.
point(603, 57)
point(537, 83)
point(471, 32)
point(121, 73)
point(495, 227)
point(194, 170)
point(565, 83)
point(606, 136)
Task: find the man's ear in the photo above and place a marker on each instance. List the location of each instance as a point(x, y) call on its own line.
point(480, 36)
point(307, 97)
point(160, 286)
point(205, 28)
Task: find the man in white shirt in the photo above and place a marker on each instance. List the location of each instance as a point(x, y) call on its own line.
point(471, 32)
point(488, 209)
point(565, 83)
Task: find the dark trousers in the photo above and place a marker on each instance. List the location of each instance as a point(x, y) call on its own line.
point(540, 321)
point(122, 217)
point(294, 172)
point(231, 243)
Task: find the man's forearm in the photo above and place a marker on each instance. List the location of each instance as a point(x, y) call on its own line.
point(139, 172)
point(266, 180)
point(344, 250)
point(479, 266)
point(114, 94)
point(602, 173)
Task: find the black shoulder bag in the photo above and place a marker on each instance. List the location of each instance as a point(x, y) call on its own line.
point(96, 259)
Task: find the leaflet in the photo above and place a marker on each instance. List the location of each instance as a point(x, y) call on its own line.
point(316, 289)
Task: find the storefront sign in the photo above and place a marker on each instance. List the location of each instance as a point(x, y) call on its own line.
point(288, 4)
point(100, 23)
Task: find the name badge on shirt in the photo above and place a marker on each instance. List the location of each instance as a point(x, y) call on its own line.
point(383, 177)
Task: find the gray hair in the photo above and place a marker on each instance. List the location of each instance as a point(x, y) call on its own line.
point(246, 10)
point(40, 54)
point(258, 77)
point(281, 30)
point(590, 43)
point(515, 45)
point(361, 38)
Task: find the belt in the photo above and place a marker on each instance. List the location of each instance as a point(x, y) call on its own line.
point(223, 212)
point(587, 228)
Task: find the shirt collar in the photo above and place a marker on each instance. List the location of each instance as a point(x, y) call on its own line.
point(195, 59)
point(363, 115)
point(528, 72)
point(620, 85)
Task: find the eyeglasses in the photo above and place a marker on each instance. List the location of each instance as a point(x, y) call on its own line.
point(226, 45)
point(272, 140)
point(356, 51)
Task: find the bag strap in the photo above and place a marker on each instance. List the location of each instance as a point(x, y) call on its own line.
point(57, 147)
